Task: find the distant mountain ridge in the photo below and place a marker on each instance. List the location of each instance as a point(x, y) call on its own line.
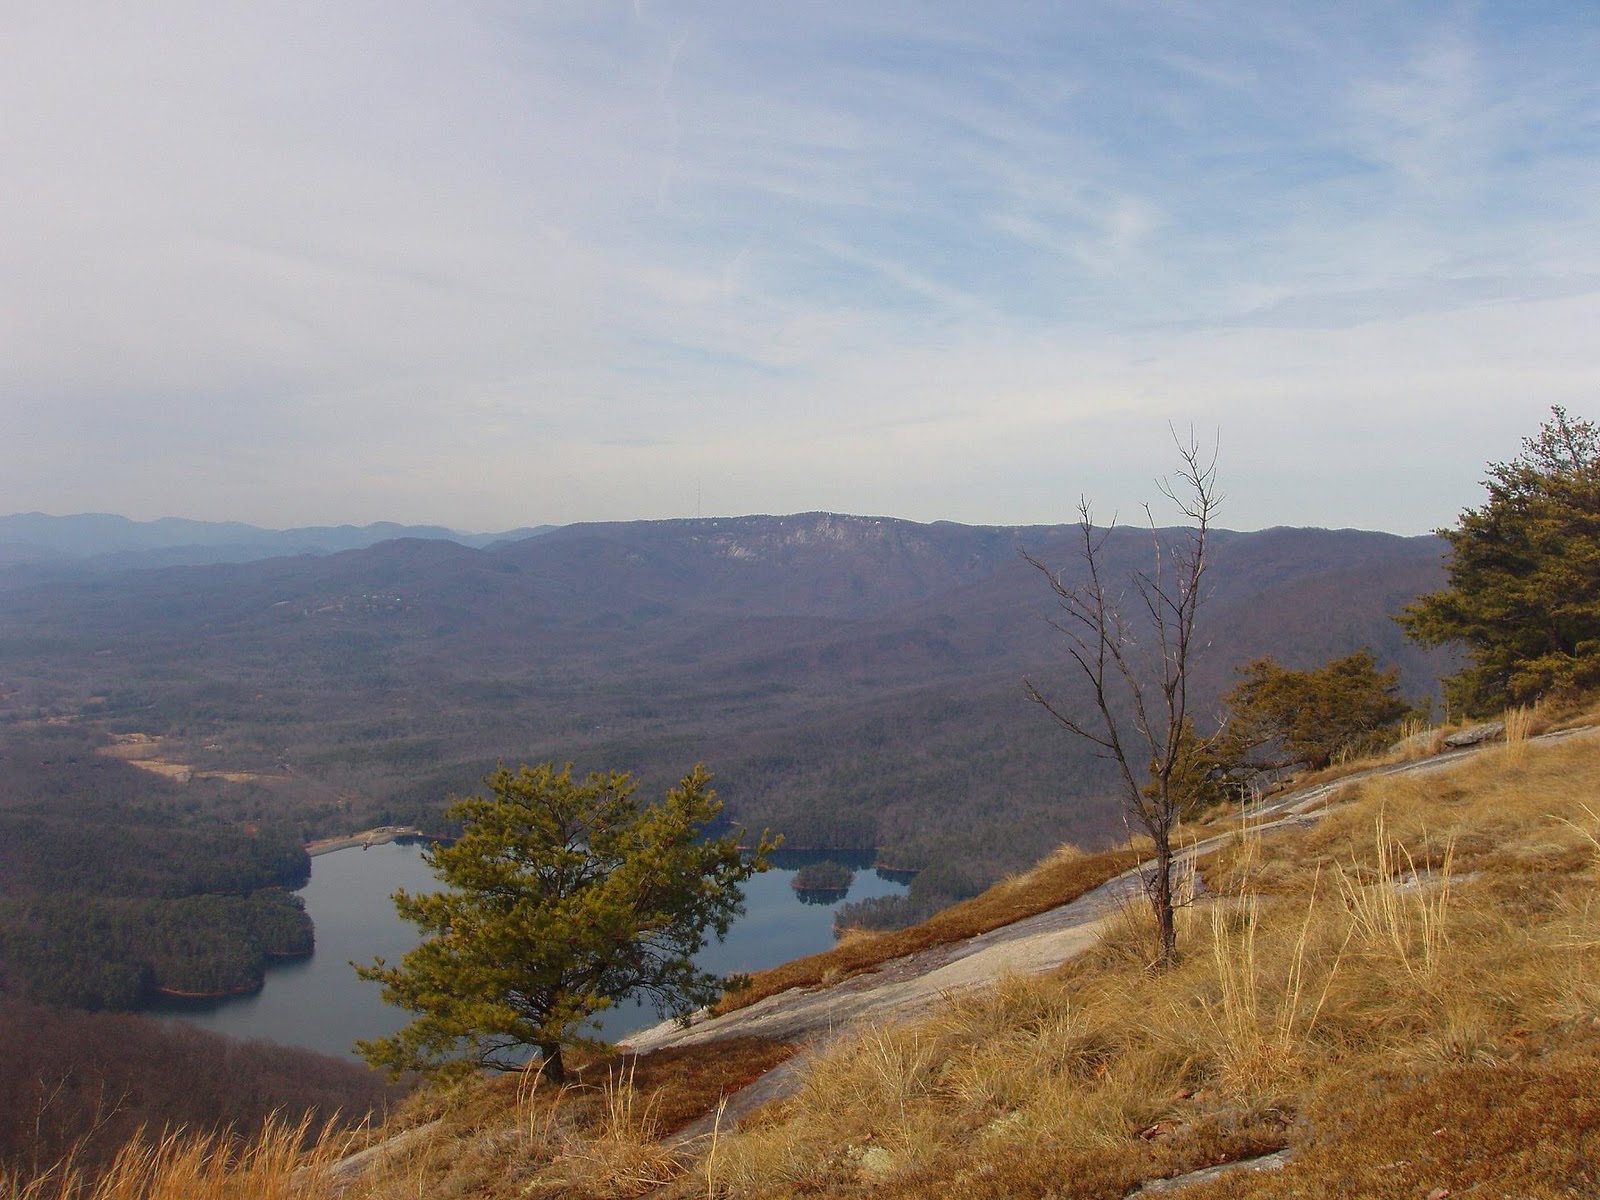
point(105, 541)
point(853, 681)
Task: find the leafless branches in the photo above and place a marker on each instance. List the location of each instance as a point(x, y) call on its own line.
point(1136, 662)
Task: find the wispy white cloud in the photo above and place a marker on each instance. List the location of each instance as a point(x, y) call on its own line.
point(494, 264)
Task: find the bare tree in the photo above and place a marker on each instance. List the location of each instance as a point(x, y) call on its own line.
point(1136, 663)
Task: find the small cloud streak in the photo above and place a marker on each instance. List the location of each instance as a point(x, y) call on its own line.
point(489, 266)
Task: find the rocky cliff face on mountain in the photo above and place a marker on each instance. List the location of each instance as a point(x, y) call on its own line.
point(852, 681)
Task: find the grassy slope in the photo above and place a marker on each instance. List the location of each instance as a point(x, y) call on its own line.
point(1440, 1034)
point(1318, 1007)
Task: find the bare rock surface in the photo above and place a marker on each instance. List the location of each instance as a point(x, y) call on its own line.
point(1267, 1162)
point(1488, 731)
point(904, 987)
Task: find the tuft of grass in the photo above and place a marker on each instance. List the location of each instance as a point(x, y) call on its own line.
point(177, 1165)
point(607, 1131)
point(1519, 724)
point(1399, 913)
point(1413, 744)
point(1260, 1029)
point(618, 1154)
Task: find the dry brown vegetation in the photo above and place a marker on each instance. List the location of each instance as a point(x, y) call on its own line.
point(1406, 996)
point(85, 1083)
point(1427, 953)
point(273, 1165)
point(606, 1132)
point(1063, 877)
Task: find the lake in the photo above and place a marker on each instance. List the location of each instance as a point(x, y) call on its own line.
point(319, 1003)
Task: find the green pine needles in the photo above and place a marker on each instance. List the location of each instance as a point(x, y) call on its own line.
point(561, 898)
point(1523, 597)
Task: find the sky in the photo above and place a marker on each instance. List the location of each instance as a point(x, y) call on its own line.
point(493, 264)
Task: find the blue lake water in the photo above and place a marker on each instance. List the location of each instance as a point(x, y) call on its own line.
point(319, 1003)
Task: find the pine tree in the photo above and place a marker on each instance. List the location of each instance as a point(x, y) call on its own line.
point(561, 898)
point(1523, 597)
point(1277, 717)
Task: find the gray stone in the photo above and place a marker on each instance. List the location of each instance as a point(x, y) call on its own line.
point(1472, 735)
point(1418, 743)
point(1267, 1162)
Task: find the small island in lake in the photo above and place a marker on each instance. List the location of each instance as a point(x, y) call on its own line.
point(822, 882)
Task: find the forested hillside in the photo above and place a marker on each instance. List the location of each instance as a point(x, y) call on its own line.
point(852, 682)
point(85, 1083)
point(112, 889)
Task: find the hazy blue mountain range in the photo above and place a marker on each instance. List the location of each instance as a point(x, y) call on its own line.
point(108, 542)
point(852, 681)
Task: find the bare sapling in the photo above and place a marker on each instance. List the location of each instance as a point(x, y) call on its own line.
point(1137, 663)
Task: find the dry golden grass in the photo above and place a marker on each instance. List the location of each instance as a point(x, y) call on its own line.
point(1424, 954)
point(1525, 1129)
point(180, 1166)
point(618, 1154)
point(1064, 876)
point(1519, 724)
point(1417, 739)
point(606, 1132)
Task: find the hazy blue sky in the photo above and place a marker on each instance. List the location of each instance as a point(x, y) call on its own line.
point(498, 263)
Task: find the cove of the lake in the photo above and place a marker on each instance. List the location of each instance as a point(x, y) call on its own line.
point(318, 1002)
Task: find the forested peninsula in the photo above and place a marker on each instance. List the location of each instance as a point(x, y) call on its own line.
point(111, 894)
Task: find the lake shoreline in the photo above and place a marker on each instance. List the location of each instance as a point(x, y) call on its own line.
point(364, 838)
point(318, 1003)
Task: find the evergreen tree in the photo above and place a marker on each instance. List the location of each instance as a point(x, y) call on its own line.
point(1524, 576)
point(1276, 716)
point(562, 897)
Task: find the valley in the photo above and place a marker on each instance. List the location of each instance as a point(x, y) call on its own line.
point(855, 684)
point(852, 682)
